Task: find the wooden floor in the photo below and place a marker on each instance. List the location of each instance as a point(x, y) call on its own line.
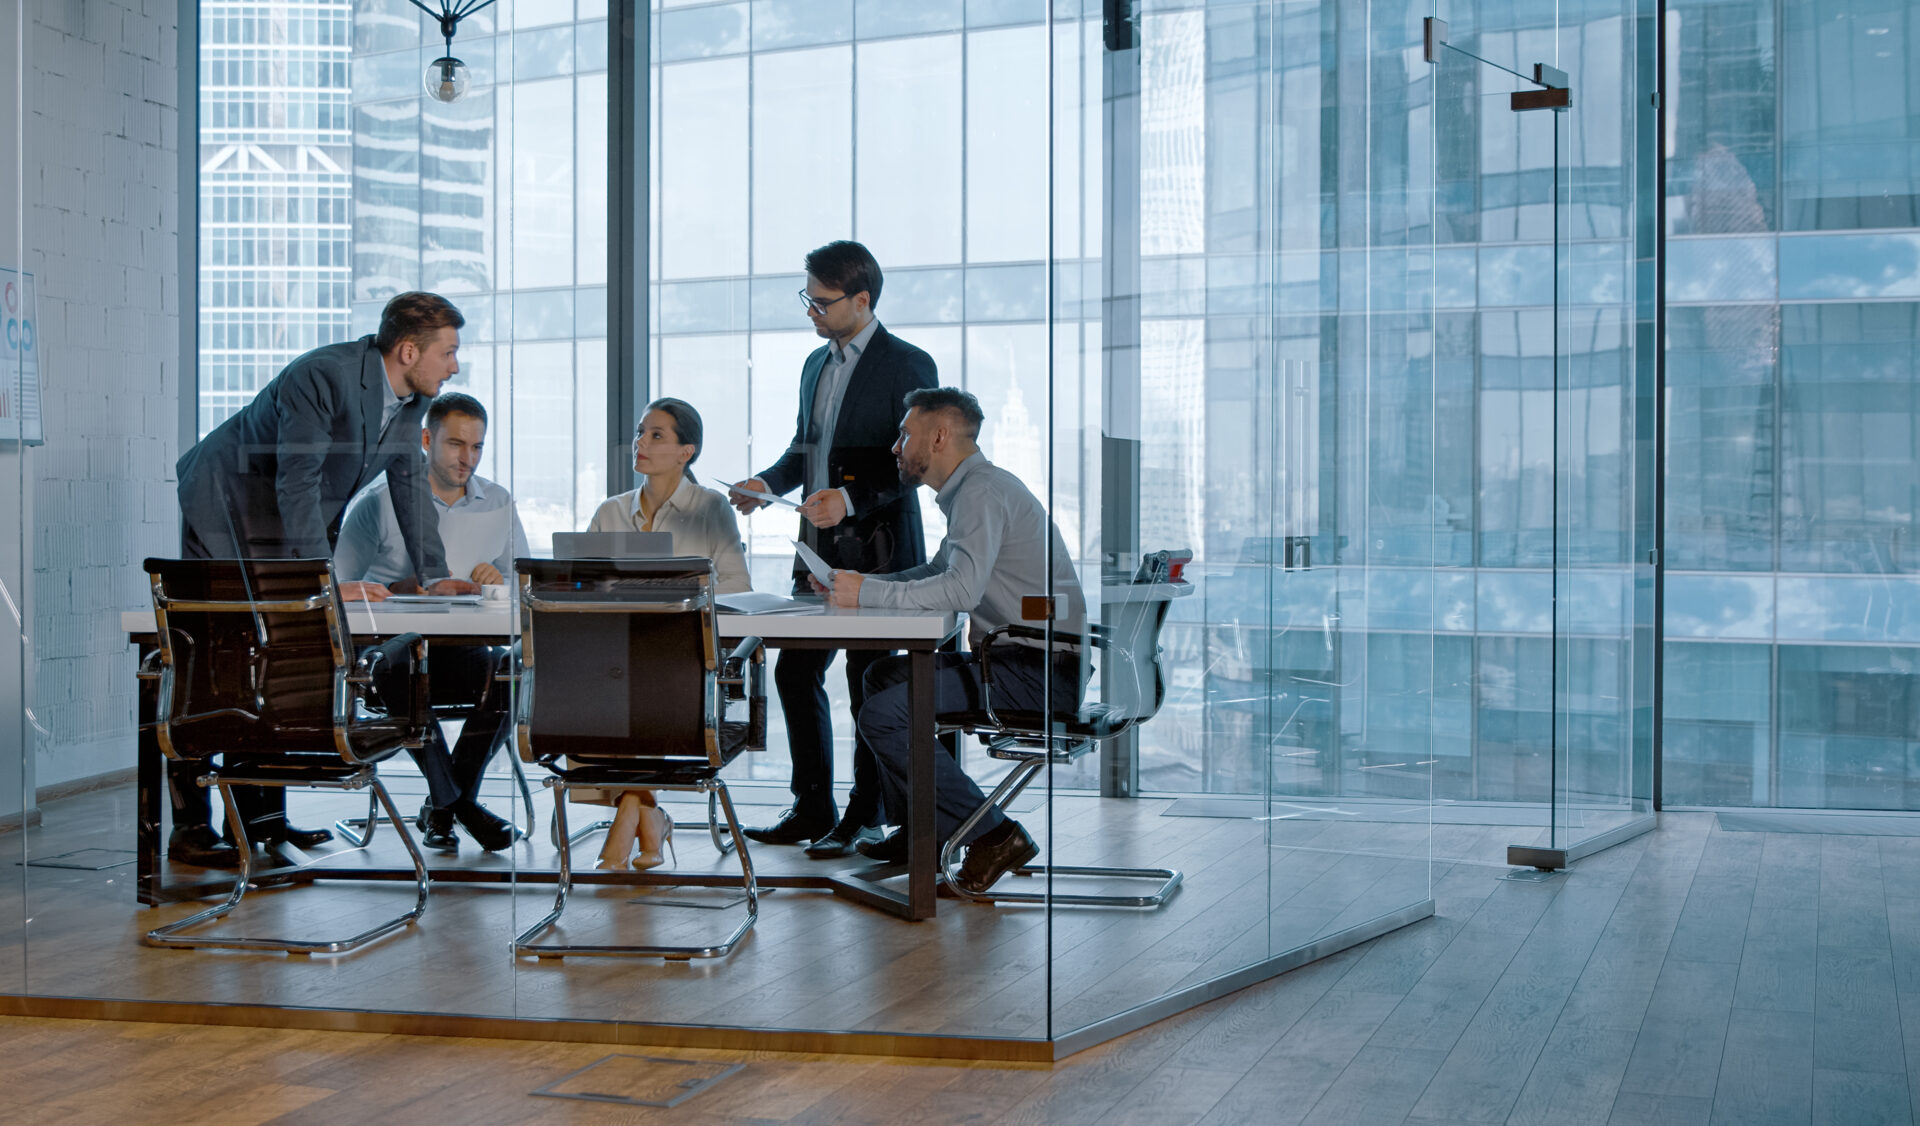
point(1691, 975)
point(814, 961)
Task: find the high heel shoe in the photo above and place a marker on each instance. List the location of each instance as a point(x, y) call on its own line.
point(653, 858)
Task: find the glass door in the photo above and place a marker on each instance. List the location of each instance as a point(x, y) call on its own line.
point(1535, 299)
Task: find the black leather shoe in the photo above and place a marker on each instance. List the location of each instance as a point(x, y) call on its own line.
point(439, 835)
point(845, 837)
point(892, 850)
point(488, 829)
point(798, 823)
point(302, 838)
point(199, 845)
point(986, 863)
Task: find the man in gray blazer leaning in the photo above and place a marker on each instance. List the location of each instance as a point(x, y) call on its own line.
point(272, 481)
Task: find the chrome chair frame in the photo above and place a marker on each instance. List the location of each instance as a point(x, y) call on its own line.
point(1031, 748)
point(738, 674)
point(349, 678)
point(356, 830)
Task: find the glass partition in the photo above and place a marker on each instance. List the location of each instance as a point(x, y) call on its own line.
point(1606, 417)
point(1258, 301)
point(1254, 397)
point(17, 808)
point(1539, 208)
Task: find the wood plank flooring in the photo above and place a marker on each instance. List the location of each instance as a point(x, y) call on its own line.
point(813, 961)
point(1691, 975)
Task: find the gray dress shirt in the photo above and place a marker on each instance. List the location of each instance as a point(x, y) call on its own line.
point(481, 527)
point(994, 553)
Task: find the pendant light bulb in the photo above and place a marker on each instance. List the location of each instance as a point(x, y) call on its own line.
point(446, 79)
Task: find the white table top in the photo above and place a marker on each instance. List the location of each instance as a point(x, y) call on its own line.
point(497, 620)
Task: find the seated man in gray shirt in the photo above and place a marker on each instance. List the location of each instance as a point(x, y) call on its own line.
point(995, 551)
point(482, 534)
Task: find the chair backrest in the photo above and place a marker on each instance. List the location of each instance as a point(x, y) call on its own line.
point(619, 661)
point(254, 656)
point(1132, 685)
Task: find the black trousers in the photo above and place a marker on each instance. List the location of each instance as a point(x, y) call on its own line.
point(1021, 677)
point(800, 677)
point(456, 675)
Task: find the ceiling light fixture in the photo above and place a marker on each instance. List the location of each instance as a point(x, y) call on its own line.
point(447, 77)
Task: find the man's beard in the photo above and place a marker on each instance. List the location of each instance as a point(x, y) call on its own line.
point(407, 376)
point(912, 475)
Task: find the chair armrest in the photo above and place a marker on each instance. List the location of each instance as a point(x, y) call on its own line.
point(730, 665)
point(744, 674)
point(417, 706)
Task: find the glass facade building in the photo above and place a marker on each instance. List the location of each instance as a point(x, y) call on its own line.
point(329, 183)
point(1792, 279)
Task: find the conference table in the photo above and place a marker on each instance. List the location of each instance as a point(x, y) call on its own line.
point(919, 634)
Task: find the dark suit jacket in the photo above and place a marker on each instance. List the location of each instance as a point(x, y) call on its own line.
point(884, 533)
point(272, 481)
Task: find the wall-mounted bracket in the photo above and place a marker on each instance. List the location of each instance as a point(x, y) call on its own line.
point(1554, 93)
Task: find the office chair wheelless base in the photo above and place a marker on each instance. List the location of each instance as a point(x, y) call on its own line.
point(172, 934)
point(524, 944)
point(1009, 788)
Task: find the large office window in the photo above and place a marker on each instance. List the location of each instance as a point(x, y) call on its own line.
point(1793, 613)
point(330, 182)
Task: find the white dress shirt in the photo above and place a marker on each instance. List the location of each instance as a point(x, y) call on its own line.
point(701, 521)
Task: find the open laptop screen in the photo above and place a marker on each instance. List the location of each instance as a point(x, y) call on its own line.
point(612, 545)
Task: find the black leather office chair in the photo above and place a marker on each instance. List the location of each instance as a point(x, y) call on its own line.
point(1133, 689)
point(622, 685)
point(256, 665)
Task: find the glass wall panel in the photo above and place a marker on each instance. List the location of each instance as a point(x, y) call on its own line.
point(17, 807)
point(329, 181)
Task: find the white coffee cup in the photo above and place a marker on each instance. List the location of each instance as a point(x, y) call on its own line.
point(494, 592)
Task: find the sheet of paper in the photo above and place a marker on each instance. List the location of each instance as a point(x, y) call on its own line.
point(757, 495)
point(815, 564)
point(763, 602)
point(438, 599)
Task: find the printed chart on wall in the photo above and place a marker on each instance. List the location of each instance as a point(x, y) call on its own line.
point(19, 359)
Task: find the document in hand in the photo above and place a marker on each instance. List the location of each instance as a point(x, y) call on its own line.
point(815, 564)
point(760, 496)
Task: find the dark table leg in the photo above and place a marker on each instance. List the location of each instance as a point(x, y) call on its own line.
point(923, 840)
point(151, 800)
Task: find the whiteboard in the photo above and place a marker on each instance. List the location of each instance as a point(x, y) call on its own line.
point(19, 359)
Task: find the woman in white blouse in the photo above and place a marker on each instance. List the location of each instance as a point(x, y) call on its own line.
point(665, 443)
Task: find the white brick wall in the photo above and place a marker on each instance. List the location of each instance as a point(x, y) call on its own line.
point(102, 200)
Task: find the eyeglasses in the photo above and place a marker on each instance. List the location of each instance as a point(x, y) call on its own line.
point(818, 307)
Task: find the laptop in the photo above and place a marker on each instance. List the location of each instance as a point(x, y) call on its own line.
point(612, 545)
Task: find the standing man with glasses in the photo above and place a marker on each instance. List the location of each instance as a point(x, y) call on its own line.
point(859, 516)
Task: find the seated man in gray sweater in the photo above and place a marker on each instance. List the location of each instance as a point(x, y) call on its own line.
point(995, 552)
